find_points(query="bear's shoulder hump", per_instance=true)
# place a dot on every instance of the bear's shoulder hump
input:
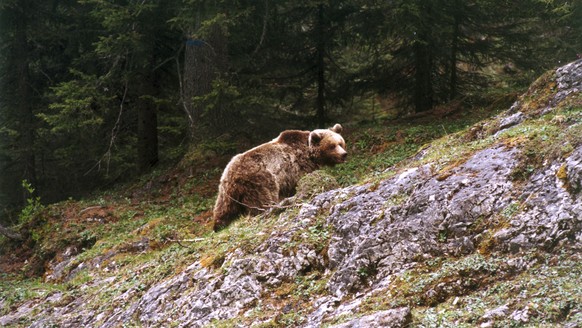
(291, 137)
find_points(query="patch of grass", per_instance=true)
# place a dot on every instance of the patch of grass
(315, 236)
(549, 292)
(445, 292)
(539, 93)
(374, 150)
(17, 291)
(315, 183)
(541, 140)
(295, 298)
(435, 281)
(545, 139)
(308, 286)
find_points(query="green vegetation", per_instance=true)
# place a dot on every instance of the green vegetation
(548, 293)
(33, 204)
(378, 151)
(459, 292)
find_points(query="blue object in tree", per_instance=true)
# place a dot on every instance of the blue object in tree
(194, 43)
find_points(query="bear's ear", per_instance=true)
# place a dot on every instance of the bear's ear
(337, 128)
(315, 137)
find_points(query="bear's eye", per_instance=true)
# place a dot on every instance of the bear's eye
(331, 147)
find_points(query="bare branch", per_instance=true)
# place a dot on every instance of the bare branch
(182, 98)
(114, 132)
(264, 33)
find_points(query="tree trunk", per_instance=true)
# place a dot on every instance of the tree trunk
(423, 91)
(320, 115)
(453, 61)
(24, 102)
(147, 134)
(147, 127)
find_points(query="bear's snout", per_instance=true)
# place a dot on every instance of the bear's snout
(340, 156)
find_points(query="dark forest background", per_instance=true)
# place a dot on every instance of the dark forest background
(95, 92)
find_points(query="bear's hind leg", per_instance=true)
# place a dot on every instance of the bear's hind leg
(260, 195)
(225, 211)
(251, 195)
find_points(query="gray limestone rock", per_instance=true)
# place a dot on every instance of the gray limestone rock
(569, 80)
(393, 318)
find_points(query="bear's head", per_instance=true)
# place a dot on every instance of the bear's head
(327, 145)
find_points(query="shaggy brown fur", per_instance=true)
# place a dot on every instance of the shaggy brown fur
(264, 175)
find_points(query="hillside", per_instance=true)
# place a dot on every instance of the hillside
(437, 223)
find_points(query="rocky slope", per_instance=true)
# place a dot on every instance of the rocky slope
(482, 228)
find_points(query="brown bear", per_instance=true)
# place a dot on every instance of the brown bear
(261, 177)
